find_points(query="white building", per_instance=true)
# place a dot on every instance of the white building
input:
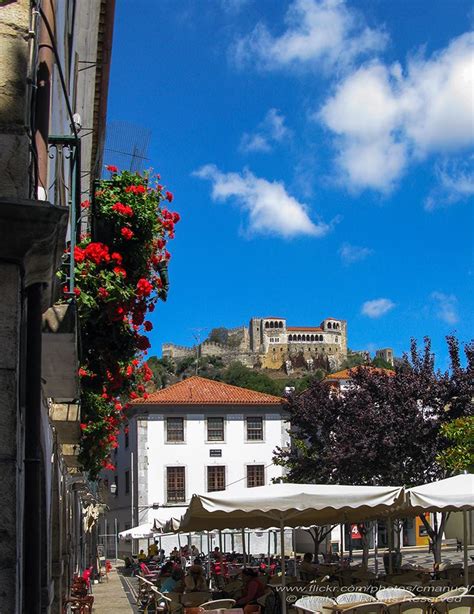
(195, 436)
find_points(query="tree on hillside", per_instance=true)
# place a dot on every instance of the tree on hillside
(381, 363)
(162, 370)
(239, 375)
(385, 430)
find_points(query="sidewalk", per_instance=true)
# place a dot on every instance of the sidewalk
(111, 596)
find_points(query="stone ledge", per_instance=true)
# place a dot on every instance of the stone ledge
(33, 235)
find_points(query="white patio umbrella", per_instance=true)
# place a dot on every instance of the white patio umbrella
(289, 505)
(454, 494)
(143, 531)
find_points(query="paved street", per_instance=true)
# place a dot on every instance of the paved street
(112, 596)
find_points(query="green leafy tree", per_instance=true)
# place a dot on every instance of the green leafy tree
(459, 455)
(162, 370)
(380, 363)
(239, 375)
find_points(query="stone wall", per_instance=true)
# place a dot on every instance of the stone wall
(14, 44)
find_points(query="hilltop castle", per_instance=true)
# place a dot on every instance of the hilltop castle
(269, 343)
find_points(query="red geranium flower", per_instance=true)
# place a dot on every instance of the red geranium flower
(82, 372)
(144, 287)
(103, 293)
(169, 196)
(79, 254)
(77, 291)
(148, 326)
(111, 168)
(123, 209)
(117, 257)
(118, 270)
(126, 233)
(86, 204)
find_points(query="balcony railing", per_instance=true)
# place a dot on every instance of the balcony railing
(65, 190)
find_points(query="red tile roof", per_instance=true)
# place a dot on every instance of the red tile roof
(201, 391)
(347, 373)
(308, 328)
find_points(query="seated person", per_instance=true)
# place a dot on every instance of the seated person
(217, 555)
(174, 554)
(165, 572)
(253, 588)
(307, 570)
(195, 581)
(173, 583)
(153, 549)
(142, 556)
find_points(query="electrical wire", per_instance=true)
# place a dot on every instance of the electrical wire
(60, 71)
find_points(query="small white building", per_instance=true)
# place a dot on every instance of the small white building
(195, 436)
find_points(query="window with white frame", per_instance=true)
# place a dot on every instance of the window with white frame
(254, 428)
(215, 478)
(255, 475)
(174, 430)
(215, 429)
(175, 484)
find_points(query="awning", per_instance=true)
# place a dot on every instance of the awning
(290, 505)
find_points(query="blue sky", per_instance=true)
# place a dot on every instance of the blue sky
(321, 157)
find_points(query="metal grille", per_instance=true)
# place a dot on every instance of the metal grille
(255, 475)
(126, 146)
(215, 429)
(215, 478)
(176, 485)
(254, 429)
(174, 429)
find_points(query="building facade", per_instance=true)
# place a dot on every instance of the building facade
(54, 62)
(195, 436)
(269, 343)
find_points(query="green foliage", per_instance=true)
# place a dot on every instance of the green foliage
(162, 370)
(459, 455)
(352, 360)
(381, 363)
(239, 375)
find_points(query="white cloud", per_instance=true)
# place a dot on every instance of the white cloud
(271, 130)
(318, 32)
(455, 183)
(352, 253)
(377, 308)
(384, 119)
(446, 307)
(270, 208)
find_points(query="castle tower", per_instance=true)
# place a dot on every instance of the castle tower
(256, 335)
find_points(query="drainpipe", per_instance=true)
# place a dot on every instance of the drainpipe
(32, 463)
(43, 96)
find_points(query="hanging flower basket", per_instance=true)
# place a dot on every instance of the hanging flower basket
(121, 272)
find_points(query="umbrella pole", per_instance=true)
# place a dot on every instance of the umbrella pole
(208, 555)
(341, 545)
(269, 548)
(243, 548)
(465, 540)
(376, 547)
(390, 540)
(294, 552)
(283, 570)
